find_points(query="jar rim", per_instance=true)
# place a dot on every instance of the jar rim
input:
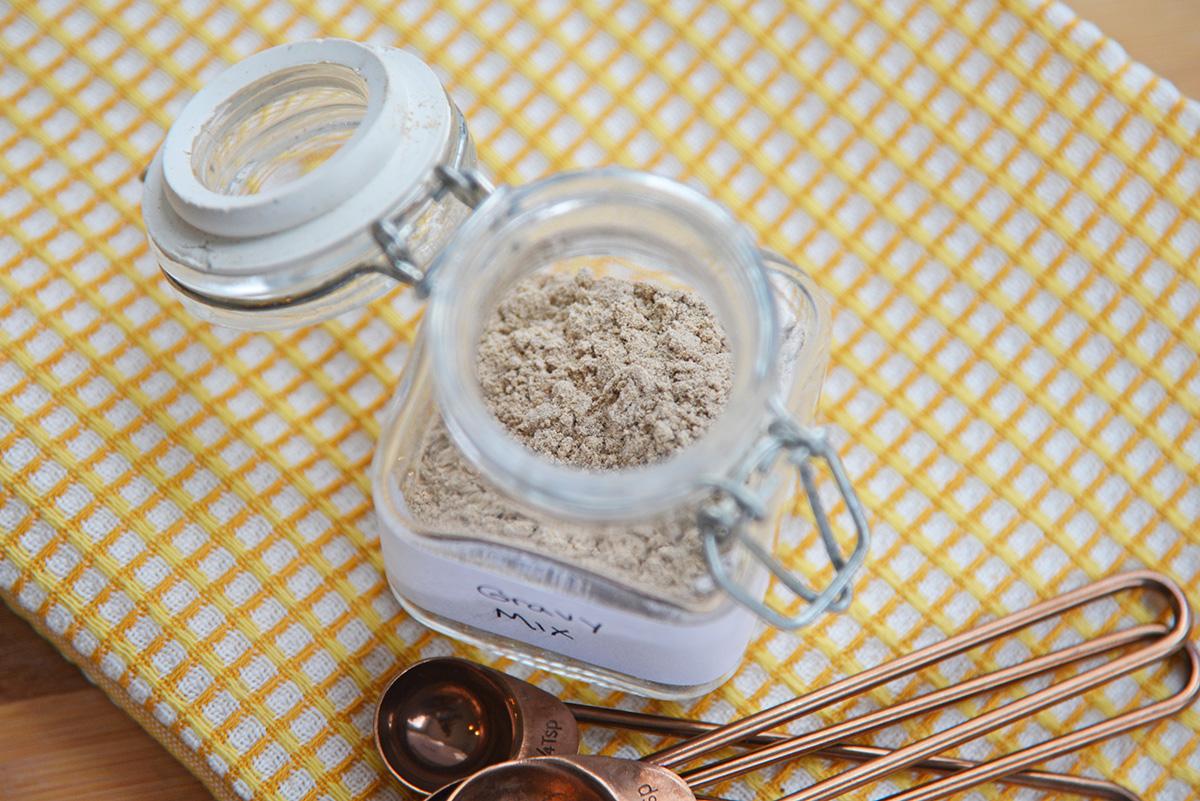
(575, 492)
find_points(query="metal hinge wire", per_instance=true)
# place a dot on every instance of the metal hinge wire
(724, 522)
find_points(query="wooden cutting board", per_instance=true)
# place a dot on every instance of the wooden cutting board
(61, 738)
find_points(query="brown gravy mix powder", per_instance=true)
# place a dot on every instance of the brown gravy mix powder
(596, 372)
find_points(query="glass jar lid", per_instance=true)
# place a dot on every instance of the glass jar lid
(269, 188)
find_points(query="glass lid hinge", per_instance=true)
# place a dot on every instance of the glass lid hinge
(469, 186)
(391, 239)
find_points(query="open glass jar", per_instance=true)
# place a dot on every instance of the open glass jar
(313, 176)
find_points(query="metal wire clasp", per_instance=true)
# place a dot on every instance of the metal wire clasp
(735, 504)
(469, 186)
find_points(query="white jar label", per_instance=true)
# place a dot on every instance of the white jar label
(583, 630)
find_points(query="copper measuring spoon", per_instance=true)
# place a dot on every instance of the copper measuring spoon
(610, 779)
(443, 719)
(597, 778)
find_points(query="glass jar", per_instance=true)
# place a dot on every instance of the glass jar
(647, 578)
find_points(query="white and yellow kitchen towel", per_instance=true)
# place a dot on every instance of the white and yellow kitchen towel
(1003, 209)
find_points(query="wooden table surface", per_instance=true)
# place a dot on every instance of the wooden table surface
(61, 738)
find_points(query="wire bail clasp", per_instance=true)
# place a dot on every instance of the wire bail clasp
(468, 184)
(735, 504)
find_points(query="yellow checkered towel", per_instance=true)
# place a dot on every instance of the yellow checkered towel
(1004, 210)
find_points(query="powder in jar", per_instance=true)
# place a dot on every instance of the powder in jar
(601, 372)
(596, 372)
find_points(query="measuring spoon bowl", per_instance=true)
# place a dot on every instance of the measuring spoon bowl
(443, 719)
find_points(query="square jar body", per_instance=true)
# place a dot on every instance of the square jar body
(627, 604)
